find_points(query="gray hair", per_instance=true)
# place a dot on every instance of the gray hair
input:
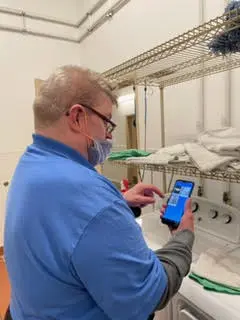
(67, 86)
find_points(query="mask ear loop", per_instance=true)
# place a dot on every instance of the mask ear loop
(89, 139)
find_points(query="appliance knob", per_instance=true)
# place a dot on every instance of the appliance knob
(213, 214)
(226, 218)
(195, 207)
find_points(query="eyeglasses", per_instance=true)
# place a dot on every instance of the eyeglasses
(109, 124)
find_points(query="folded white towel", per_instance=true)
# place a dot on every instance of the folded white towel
(212, 150)
(235, 165)
(152, 159)
(174, 150)
(204, 159)
(219, 266)
(164, 156)
(224, 141)
(184, 158)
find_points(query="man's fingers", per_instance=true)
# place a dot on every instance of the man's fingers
(188, 205)
(151, 187)
(148, 193)
(146, 200)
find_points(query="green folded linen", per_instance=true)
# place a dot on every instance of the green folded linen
(214, 286)
(125, 154)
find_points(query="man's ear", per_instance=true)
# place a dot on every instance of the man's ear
(75, 118)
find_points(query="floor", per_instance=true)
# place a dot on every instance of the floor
(4, 288)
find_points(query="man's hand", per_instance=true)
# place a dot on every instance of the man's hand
(142, 195)
(187, 221)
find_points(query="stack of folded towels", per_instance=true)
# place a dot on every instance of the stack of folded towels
(210, 150)
(218, 271)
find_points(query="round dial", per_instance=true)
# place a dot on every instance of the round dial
(226, 218)
(195, 207)
(213, 214)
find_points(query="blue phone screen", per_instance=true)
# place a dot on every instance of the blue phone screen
(176, 203)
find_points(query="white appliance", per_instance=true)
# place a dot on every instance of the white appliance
(216, 226)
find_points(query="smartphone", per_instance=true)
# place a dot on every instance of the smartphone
(174, 211)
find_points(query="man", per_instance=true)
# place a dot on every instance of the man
(73, 249)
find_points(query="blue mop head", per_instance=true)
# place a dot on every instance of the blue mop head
(228, 41)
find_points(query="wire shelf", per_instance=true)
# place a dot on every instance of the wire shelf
(185, 57)
(228, 175)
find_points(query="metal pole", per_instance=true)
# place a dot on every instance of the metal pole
(105, 17)
(19, 13)
(152, 182)
(136, 97)
(163, 140)
(228, 122)
(228, 105)
(15, 12)
(94, 9)
(37, 34)
(201, 122)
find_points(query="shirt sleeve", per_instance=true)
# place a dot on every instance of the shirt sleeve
(112, 260)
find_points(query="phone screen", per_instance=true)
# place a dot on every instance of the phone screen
(175, 207)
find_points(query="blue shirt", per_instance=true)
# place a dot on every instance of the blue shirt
(73, 249)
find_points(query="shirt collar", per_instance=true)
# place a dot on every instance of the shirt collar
(61, 149)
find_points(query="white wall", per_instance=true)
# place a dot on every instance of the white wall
(119, 143)
(140, 26)
(22, 59)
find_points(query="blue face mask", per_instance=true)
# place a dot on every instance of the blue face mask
(99, 151)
